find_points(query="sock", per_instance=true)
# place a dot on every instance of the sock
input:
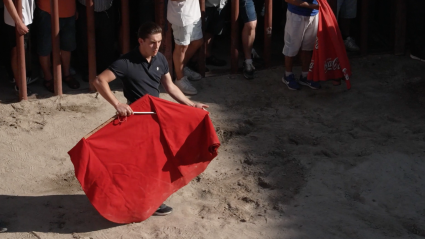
(304, 74)
(287, 73)
(248, 61)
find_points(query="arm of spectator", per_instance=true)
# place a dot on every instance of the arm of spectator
(177, 94)
(102, 86)
(20, 25)
(302, 3)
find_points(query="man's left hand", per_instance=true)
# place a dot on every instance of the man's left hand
(201, 106)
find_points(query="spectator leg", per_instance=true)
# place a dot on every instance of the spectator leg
(248, 37)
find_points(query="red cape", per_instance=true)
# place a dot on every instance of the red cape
(330, 60)
(128, 169)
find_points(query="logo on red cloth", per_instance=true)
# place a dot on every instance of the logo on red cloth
(332, 65)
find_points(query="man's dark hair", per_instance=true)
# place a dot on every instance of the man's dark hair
(148, 28)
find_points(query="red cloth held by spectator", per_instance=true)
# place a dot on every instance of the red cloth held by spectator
(330, 60)
(128, 168)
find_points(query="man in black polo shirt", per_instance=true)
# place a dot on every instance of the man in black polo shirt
(142, 70)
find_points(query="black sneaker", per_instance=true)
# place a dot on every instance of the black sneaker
(29, 92)
(163, 210)
(248, 71)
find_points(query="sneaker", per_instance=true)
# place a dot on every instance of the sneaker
(30, 80)
(185, 86)
(191, 75)
(312, 84)
(163, 210)
(29, 92)
(291, 82)
(417, 58)
(3, 229)
(350, 44)
(248, 71)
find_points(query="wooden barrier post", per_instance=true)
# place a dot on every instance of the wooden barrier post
(125, 26)
(21, 78)
(91, 43)
(203, 48)
(56, 62)
(167, 40)
(234, 47)
(268, 28)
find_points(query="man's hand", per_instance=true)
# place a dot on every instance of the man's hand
(123, 109)
(200, 106)
(315, 6)
(22, 29)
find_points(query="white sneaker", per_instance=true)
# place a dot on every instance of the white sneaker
(191, 75)
(350, 44)
(185, 86)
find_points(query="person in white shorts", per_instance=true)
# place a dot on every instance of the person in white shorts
(302, 22)
(347, 10)
(185, 17)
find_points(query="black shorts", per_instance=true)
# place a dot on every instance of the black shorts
(11, 36)
(215, 19)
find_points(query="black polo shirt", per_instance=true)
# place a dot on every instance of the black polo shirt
(138, 76)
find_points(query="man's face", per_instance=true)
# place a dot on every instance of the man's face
(151, 44)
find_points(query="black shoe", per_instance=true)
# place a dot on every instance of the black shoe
(29, 92)
(248, 71)
(214, 61)
(163, 210)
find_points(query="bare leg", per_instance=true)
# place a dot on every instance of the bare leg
(248, 37)
(66, 62)
(178, 58)
(192, 49)
(288, 63)
(45, 67)
(305, 60)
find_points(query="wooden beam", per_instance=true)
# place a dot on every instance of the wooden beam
(125, 26)
(400, 27)
(268, 28)
(167, 39)
(203, 48)
(21, 78)
(91, 43)
(56, 62)
(234, 46)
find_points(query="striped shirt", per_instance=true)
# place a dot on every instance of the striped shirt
(99, 5)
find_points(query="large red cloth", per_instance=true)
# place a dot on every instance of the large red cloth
(330, 60)
(128, 169)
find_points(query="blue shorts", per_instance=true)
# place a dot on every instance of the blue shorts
(247, 11)
(44, 33)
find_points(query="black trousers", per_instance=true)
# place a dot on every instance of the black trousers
(106, 38)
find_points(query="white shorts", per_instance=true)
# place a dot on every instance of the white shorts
(347, 9)
(183, 36)
(300, 32)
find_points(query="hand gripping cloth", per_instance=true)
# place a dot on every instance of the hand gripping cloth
(129, 168)
(329, 61)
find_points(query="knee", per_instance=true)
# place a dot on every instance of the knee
(250, 26)
(181, 49)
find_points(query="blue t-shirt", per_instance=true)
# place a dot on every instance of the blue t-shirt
(303, 11)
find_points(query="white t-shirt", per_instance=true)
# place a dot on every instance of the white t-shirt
(183, 13)
(28, 7)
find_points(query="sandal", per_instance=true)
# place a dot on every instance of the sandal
(49, 85)
(71, 82)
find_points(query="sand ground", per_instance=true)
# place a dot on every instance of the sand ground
(325, 164)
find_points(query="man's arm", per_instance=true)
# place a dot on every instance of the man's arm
(20, 25)
(177, 94)
(302, 3)
(102, 86)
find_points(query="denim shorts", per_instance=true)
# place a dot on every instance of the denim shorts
(247, 11)
(183, 36)
(44, 33)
